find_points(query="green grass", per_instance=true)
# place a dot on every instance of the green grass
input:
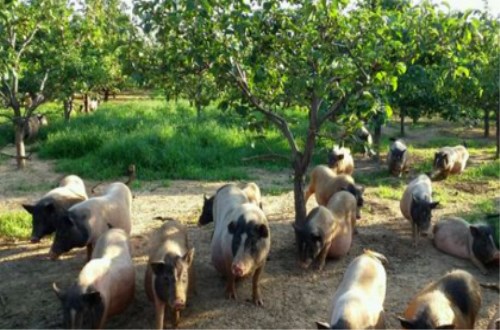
(16, 224)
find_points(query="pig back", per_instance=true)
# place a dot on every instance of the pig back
(253, 193)
(332, 186)
(111, 271)
(421, 188)
(451, 235)
(460, 161)
(73, 186)
(343, 206)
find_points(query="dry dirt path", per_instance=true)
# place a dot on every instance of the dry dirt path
(293, 298)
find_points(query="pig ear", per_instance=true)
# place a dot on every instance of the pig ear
(68, 221)
(360, 188)
(322, 325)
(340, 157)
(434, 205)
(188, 257)
(446, 326)
(406, 324)
(474, 231)
(205, 197)
(263, 231)
(49, 207)
(57, 291)
(231, 227)
(29, 208)
(158, 267)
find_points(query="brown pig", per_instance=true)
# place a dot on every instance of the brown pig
(169, 275)
(105, 286)
(315, 237)
(455, 236)
(53, 204)
(340, 160)
(358, 302)
(452, 302)
(84, 222)
(324, 183)
(241, 240)
(417, 205)
(343, 207)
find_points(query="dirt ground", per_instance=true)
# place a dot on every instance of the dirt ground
(293, 298)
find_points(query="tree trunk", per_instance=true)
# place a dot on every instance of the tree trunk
(68, 108)
(497, 117)
(377, 133)
(86, 103)
(106, 95)
(486, 123)
(298, 190)
(19, 139)
(402, 123)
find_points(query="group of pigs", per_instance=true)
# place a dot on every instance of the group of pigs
(241, 243)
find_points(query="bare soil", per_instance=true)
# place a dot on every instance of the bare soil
(293, 298)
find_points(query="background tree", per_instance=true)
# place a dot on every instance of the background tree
(29, 46)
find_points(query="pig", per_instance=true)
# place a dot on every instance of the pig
(452, 302)
(93, 105)
(417, 205)
(252, 191)
(324, 183)
(314, 237)
(397, 158)
(32, 126)
(343, 207)
(53, 204)
(455, 236)
(241, 240)
(340, 160)
(358, 302)
(84, 222)
(449, 160)
(169, 274)
(364, 136)
(105, 286)
(495, 322)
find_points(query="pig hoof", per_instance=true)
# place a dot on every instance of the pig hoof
(231, 295)
(258, 302)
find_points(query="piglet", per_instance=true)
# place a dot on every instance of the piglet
(452, 302)
(455, 236)
(169, 274)
(105, 286)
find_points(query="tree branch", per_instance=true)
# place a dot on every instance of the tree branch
(39, 98)
(276, 119)
(27, 41)
(356, 90)
(354, 59)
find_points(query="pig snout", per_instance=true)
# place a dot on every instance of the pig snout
(238, 270)
(179, 304)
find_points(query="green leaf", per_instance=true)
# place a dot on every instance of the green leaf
(394, 83)
(462, 71)
(401, 68)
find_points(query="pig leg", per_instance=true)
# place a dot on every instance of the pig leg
(309, 192)
(176, 315)
(320, 261)
(479, 265)
(160, 313)
(231, 287)
(381, 321)
(257, 299)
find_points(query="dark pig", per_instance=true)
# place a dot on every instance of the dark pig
(417, 205)
(358, 302)
(84, 222)
(169, 274)
(455, 236)
(105, 286)
(241, 240)
(314, 237)
(53, 204)
(397, 158)
(452, 302)
(33, 124)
